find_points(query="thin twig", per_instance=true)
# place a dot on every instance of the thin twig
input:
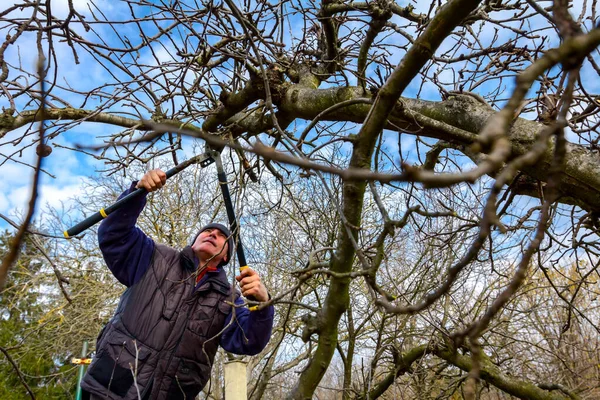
(18, 371)
(15, 246)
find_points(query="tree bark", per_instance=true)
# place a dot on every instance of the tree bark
(456, 120)
(489, 373)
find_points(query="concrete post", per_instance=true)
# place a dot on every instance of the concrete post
(235, 380)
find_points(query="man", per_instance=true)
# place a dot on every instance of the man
(176, 311)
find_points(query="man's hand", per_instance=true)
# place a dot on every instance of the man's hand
(251, 285)
(152, 180)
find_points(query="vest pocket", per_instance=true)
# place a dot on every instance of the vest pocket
(188, 381)
(202, 316)
(205, 308)
(199, 328)
(225, 308)
(115, 362)
(111, 375)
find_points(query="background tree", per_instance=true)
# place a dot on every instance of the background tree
(26, 327)
(415, 182)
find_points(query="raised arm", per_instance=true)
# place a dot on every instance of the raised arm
(126, 249)
(250, 331)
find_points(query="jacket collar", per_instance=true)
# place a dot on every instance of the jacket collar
(188, 258)
(189, 262)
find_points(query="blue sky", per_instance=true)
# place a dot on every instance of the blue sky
(67, 170)
(70, 169)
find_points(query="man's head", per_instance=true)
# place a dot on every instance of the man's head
(215, 243)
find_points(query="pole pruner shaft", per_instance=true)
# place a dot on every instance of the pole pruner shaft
(204, 159)
(233, 225)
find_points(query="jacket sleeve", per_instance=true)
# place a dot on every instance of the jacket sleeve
(250, 332)
(126, 249)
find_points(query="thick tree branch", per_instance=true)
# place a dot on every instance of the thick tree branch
(353, 192)
(456, 120)
(402, 365)
(490, 373)
(406, 12)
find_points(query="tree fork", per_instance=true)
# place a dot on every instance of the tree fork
(489, 373)
(353, 192)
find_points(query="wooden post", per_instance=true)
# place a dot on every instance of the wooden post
(235, 380)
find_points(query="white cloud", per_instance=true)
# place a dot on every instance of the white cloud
(18, 198)
(3, 202)
(13, 175)
(15, 186)
(55, 196)
(60, 8)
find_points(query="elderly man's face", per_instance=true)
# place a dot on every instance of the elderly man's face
(211, 244)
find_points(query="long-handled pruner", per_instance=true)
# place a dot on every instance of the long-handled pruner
(233, 225)
(204, 159)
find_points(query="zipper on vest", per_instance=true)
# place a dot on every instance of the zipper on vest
(148, 388)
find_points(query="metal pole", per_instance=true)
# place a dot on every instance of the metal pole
(81, 370)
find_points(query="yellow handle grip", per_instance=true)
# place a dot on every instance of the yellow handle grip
(250, 308)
